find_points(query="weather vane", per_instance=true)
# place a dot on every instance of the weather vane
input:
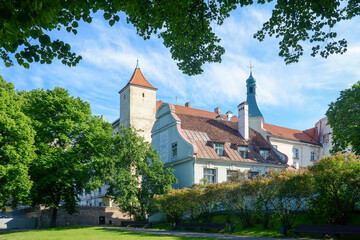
(251, 67)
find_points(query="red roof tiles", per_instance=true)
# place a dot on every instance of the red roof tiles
(202, 132)
(308, 136)
(288, 133)
(138, 79)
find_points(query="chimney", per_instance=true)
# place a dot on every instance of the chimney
(187, 104)
(243, 110)
(217, 110)
(229, 115)
(103, 118)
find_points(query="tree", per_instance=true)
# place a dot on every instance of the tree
(69, 142)
(337, 187)
(290, 190)
(185, 27)
(134, 173)
(344, 119)
(16, 148)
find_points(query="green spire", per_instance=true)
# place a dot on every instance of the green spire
(137, 64)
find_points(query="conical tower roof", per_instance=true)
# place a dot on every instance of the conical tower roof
(138, 79)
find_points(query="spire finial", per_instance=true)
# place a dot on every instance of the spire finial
(137, 64)
(251, 67)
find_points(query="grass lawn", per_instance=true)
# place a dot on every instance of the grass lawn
(83, 233)
(274, 227)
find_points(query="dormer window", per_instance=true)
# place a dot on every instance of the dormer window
(219, 148)
(265, 154)
(242, 151)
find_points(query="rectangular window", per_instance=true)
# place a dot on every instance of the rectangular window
(312, 156)
(265, 154)
(242, 151)
(252, 174)
(219, 148)
(230, 174)
(210, 174)
(174, 149)
(296, 153)
(99, 189)
(99, 204)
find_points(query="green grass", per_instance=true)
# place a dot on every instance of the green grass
(274, 227)
(83, 233)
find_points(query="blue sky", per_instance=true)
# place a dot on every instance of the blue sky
(294, 96)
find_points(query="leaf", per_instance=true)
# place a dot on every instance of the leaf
(107, 16)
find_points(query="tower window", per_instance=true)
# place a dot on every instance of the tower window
(124, 96)
(143, 94)
(251, 89)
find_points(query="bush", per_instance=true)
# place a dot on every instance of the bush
(337, 188)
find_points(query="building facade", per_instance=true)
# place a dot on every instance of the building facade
(208, 145)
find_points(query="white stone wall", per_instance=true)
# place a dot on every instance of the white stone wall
(286, 146)
(324, 136)
(184, 174)
(142, 110)
(223, 166)
(125, 107)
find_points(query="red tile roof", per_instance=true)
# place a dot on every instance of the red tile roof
(288, 133)
(195, 112)
(203, 132)
(138, 79)
(308, 136)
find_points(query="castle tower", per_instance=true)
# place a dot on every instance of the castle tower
(251, 97)
(256, 119)
(138, 104)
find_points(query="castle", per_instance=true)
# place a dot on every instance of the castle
(200, 144)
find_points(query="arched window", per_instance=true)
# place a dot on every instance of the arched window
(251, 89)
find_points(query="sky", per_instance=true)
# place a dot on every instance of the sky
(294, 96)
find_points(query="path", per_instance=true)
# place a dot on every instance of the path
(195, 234)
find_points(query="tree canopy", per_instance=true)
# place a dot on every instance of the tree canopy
(185, 27)
(344, 119)
(68, 142)
(133, 173)
(16, 147)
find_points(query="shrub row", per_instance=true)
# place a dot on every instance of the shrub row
(328, 192)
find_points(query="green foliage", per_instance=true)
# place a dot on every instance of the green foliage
(174, 204)
(205, 201)
(344, 119)
(290, 191)
(69, 142)
(185, 27)
(134, 173)
(308, 21)
(16, 148)
(337, 188)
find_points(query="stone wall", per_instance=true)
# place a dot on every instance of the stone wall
(18, 223)
(85, 216)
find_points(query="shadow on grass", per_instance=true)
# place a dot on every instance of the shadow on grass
(19, 231)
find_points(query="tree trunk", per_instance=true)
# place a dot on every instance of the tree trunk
(53, 217)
